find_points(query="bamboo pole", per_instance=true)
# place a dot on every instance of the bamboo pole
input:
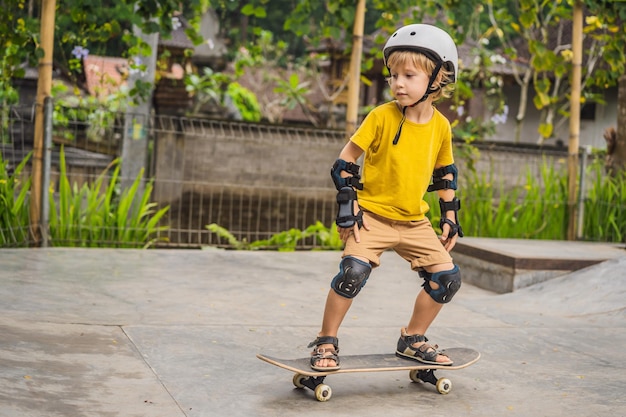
(618, 164)
(574, 121)
(44, 86)
(354, 80)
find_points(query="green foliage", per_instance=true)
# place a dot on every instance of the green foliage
(323, 21)
(320, 20)
(91, 216)
(210, 86)
(105, 28)
(86, 27)
(274, 77)
(605, 25)
(605, 207)
(245, 101)
(232, 241)
(284, 241)
(542, 27)
(242, 21)
(293, 90)
(14, 205)
(251, 10)
(19, 46)
(95, 113)
(18, 43)
(535, 209)
(216, 87)
(325, 238)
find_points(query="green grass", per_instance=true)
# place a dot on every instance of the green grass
(605, 208)
(536, 208)
(94, 216)
(324, 238)
(100, 215)
(14, 205)
(533, 209)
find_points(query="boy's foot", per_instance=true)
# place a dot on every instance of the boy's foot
(414, 347)
(325, 355)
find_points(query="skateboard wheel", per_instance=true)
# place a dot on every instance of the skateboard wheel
(298, 380)
(323, 392)
(444, 385)
(414, 375)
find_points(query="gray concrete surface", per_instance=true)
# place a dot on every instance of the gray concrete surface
(507, 265)
(88, 332)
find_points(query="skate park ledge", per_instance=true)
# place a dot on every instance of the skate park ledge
(506, 265)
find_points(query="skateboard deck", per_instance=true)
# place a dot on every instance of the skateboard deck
(418, 372)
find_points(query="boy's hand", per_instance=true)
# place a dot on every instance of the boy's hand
(448, 243)
(344, 233)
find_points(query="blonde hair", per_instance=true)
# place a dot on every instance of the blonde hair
(422, 62)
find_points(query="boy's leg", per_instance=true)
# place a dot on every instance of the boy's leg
(334, 313)
(372, 243)
(425, 311)
(421, 246)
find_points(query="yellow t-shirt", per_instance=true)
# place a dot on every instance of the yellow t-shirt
(395, 177)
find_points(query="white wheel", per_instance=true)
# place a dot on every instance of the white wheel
(323, 392)
(297, 380)
(414, 375)
(444, 385)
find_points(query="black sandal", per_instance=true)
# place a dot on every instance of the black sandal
(425, 353)
(325, 353)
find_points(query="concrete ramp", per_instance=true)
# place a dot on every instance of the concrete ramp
(507, 265)
(596, 295)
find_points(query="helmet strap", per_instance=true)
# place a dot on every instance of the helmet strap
(399, 132)
(430, 89)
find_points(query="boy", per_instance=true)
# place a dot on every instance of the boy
(406, 143)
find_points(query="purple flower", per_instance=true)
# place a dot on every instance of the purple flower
(501, 118)
(79, 52)
(135, 66)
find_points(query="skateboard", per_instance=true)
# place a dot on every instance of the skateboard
(418, 372)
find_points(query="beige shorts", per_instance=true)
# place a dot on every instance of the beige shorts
(415, 241)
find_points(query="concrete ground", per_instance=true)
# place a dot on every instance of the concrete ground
(98, 332)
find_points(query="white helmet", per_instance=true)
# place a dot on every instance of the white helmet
(433, 42)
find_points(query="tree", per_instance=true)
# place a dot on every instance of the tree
(616, 138)
(83, 26)
(18, 34)
(509, 27)
(153, 17)
(542, 30)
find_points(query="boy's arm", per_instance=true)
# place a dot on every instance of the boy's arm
(350, 153)
(449, 205)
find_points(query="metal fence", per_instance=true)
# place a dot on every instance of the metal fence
(254, 180)
(249, 208)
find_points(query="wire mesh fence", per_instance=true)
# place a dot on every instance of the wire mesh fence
(204, 171)
(253, 180)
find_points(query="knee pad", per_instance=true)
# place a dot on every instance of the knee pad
(353, 274)
(449, 283)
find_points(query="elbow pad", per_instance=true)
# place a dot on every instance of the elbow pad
(439, 183)
(349, 167)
